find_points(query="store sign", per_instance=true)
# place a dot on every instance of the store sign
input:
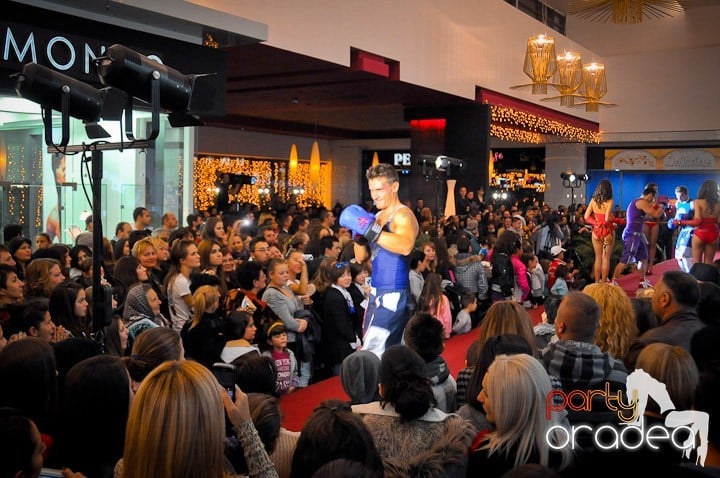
(71, 55)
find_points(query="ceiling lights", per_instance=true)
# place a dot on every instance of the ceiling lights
(539, 63)
(623, 11)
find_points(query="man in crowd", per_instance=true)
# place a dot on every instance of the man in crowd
(142, 218)
(674, 302)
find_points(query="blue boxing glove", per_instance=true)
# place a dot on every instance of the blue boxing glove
(359, 221)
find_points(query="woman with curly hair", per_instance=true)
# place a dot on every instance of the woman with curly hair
(599, 214)
(617, 328)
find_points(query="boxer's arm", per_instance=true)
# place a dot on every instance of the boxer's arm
(404, 229)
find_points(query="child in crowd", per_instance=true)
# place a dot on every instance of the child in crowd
(425, 335)
(536, 279)
(560, 288)
(545, 330)
(285, 362)
(463, 323)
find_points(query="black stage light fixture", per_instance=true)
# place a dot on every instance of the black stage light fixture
(56, 91)
(164, 88)
(443, 163)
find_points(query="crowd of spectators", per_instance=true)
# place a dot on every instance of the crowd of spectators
(277, 298)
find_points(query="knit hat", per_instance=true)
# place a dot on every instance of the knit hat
(359, 374)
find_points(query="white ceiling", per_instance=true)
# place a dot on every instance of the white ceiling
(696, 27)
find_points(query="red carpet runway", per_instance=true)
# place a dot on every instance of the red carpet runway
(298, 406)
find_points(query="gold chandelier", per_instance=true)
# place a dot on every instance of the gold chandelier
(568, 78)
(539, 63)
(623, 11)
(594, 87)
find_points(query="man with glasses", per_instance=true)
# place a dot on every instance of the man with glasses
(259, 251)
(391, 235)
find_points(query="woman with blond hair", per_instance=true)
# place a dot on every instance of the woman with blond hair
(176, 427)
(507, 317)
(203, 337)
(514, 392)
(617, 328)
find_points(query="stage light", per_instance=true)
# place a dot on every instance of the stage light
(159, 85)
(443, 163)
(54, 91)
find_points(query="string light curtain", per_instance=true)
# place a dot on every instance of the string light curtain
(539, 64)
(269, 174)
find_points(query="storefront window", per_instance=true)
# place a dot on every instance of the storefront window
(43, 190)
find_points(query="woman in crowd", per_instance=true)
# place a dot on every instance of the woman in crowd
(11, 287)
(339, 338)
(184, 258)
(409, 432)
(298, 274)
(121, 248)
(129, 271)
(142, 310)
(162, 253)
(69, 308)
(507, 317)
(333, 432)
(433, 301)
(145, 252)
(705, 223)
(227, 270)
(618, 327)
(28, 375)
(176, 427)
(211, 260)
(507, 344)
(93, 414)
(203, 336)
(20, 249)
(252, 280)
(360, 293)
(514, 394)
(240, 333)
(151, 348)
(116, 337)
(502, 280)
(64, 252)
(286, 305)
(599, 214)
(215, 231)
(23, 448)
